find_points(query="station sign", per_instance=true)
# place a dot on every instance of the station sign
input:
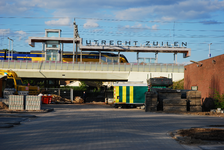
(134, 43)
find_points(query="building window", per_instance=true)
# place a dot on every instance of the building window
(52, 34)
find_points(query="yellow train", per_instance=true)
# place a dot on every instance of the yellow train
(66, 57)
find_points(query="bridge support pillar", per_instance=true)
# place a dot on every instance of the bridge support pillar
(118, 60)
(76, 52)
(43, 51)
(156, 55)
(62, 49)
(175, 58)
(137, 57)
(81, 56)
(99, 56)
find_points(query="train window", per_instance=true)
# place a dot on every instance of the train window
(91, 57)
(65, 56)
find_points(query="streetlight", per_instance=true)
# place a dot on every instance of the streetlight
(9, 48)
(209, 54)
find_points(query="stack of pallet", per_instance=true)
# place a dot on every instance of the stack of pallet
(16, 102)
(179, 105)
(33, 102)
(150, 101)
(194, 98)
(170, 100)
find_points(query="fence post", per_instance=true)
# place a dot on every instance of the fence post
(20, 63)
(125, 66)
(73, 66)
(90, 66)
(32, 65)
(172, 68)
(55, 65)
(84, 66)
(71, 94)
(59, 92)
(26, 64)
(2, 64)
(44, 64)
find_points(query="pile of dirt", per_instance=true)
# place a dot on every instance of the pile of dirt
(78, 100)
(59, 100)
(3, 105)
(200, 136)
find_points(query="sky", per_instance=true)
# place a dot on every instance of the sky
(197, 22)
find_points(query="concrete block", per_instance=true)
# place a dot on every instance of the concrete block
(193, 94)
(195, 101)
(174, 102)
(175, 108)
(169, 95)
(195, 108)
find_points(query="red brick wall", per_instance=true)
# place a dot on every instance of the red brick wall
(207, 77)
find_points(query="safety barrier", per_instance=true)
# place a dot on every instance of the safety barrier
(92, 66)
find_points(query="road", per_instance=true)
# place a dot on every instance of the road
(95, 127)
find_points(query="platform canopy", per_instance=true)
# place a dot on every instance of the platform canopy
(33, 40)
(184, 50)
(155, 49)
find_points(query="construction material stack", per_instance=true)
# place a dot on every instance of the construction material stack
(159, 83)
(194, 98)
(16, 102)
(23, 102)
(170, 100)
(150, 101)
(33, 103)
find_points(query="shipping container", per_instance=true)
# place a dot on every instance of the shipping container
(129, 94)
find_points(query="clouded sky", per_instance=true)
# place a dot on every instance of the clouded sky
(197, 22)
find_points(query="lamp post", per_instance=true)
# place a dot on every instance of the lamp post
(9, 49)
(209, 54)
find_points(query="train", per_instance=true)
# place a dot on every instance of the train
(66, 57)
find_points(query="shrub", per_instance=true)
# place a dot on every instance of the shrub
(218, 99)
(178, 85)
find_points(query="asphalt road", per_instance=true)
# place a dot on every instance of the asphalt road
(95, 127)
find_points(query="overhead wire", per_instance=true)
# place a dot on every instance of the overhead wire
(86, 32)
(108, 19)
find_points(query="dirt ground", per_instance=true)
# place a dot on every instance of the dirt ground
(3, 106)
(212, 135)
(205, 136)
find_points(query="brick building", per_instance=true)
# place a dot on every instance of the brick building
(207, 75)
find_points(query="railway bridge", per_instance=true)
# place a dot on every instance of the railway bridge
(129, 72)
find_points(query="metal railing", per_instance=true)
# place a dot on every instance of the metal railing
(91, 66)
